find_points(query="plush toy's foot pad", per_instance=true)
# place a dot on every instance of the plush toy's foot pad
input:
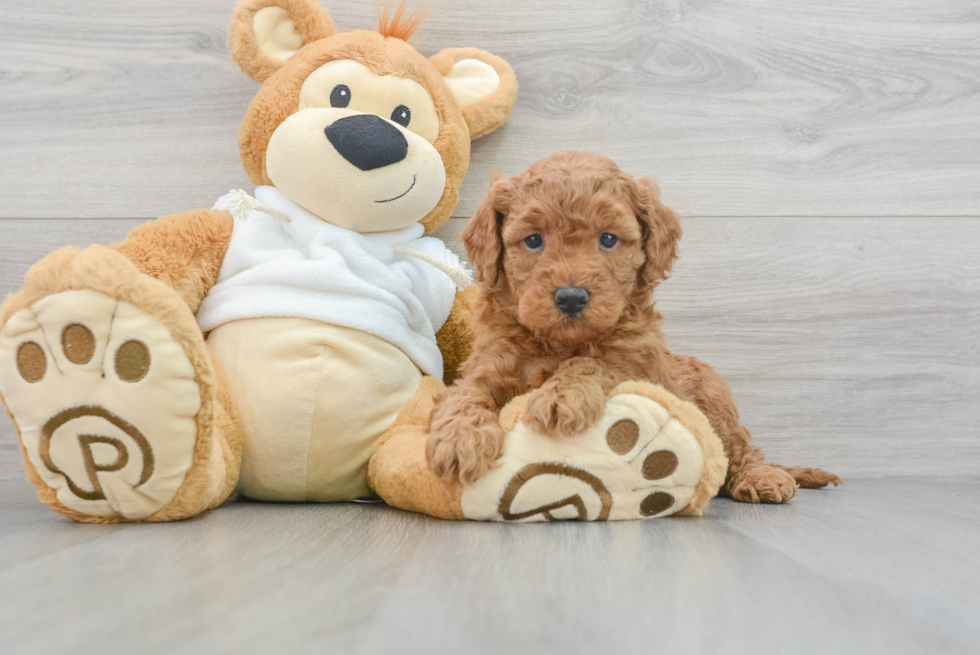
(105, 402)
(640, 461)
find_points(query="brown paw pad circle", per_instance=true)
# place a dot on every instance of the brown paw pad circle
(622, 436)
(78, 343)
(659, 464)
(655, 503)
(132, 361)
(31, 362)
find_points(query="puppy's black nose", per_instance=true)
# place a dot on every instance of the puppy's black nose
(367, 141)
(571, 300)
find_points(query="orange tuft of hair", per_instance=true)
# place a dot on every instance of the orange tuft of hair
(399, 26)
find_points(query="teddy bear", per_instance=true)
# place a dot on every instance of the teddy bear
(289, 344)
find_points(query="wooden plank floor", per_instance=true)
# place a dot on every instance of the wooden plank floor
(826, 158)
(886, 566)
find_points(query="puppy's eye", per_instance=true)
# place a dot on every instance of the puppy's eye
(533, 242)
(402, 115)
(340, 96)
(608, 240)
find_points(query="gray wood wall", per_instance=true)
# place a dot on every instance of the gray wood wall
(825, 156)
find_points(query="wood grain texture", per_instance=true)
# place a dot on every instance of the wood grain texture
(884, 566)
(121, 108)
(850, 344)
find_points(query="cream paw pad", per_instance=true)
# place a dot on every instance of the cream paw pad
(104, 399)
(651, 455)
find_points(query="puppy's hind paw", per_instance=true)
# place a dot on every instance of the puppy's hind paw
(763, 484)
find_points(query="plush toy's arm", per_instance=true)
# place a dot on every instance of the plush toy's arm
(455, 338)
(184, 251)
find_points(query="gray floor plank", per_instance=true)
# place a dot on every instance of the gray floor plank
(849, 343)
(254, 577)
(693, 587)
(118, 108)
(855, 543)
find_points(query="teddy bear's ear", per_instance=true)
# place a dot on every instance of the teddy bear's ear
(265, 33)
(483, 84)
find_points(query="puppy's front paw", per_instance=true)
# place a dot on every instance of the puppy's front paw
(564, 410)
(463, 449)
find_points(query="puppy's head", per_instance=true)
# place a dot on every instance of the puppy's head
(570, 244)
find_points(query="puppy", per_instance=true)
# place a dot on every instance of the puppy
(568, 255)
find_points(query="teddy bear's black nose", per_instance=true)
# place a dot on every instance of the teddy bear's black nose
(571, 300)
(367, 141)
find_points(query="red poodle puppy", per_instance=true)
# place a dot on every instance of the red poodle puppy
(569, 254)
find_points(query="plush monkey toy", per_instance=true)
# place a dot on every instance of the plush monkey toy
(289, 345)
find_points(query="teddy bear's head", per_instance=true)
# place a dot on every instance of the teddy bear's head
(357, 127)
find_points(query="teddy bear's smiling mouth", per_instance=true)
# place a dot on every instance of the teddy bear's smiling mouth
(402, 195)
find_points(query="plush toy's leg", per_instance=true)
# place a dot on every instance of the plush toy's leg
(398, 471)
(650, 455)
(121, 411)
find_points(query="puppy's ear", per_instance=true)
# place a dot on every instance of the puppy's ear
(481, 236)
(265, 33)
(661, 231)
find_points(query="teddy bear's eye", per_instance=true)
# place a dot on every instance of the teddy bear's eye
(402, 115)
(340, 96)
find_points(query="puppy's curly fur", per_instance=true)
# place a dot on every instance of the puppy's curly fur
(573, 360)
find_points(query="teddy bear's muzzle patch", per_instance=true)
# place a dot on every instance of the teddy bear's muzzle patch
(355, 170)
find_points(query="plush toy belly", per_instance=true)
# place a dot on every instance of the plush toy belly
(314, 399)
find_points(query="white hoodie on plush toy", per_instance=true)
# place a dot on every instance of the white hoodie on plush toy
(308, 268)
(340, 319)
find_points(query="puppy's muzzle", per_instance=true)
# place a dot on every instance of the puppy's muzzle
(571, 300)
(367, 141)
